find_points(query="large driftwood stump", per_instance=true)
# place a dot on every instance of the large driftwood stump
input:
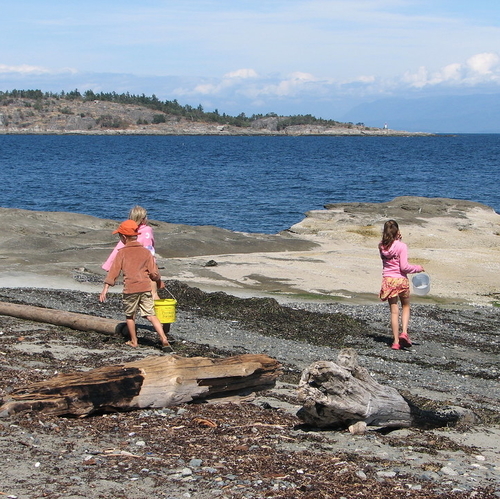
(345, 395)
(153, 382)
(340, 395)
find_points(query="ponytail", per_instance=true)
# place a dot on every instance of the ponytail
(389, 234)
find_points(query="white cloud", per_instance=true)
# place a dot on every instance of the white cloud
(27, 70)
(23, 69)
(298, 76)
(483, 64)
(365, 79)
(291, 86)
(204, 89)
(478, 69)
(299, 88)
(231, 79)
(248, 83)
(242, 73)
(452, 72)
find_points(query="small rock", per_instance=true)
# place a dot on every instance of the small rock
(358, 428)
(210, 470)
(361, 474)
(429, 476)
(386, 474)
(448, 471)
(414, 486)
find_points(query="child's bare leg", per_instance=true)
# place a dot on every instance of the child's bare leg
(159, 329)
(393, 304)
(133, 334)
(405, 314)
(154, 290)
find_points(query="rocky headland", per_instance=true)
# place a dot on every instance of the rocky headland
(53, 115)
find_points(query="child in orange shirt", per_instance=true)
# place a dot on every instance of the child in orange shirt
(139, 268)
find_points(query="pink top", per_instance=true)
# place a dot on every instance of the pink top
(395, 261)
(145, 237)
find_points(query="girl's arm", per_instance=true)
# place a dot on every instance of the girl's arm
(404, 266)
(111, 258)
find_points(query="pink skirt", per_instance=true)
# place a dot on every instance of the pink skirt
(393, 287)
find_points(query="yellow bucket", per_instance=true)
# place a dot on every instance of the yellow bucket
(165, 310)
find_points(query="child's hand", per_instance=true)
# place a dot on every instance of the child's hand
(102, 296)
(160, 284)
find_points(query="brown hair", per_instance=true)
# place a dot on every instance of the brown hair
(389, 234)
(137, 214)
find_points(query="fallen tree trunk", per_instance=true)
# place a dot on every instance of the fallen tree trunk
(344, 394)
(153, 382)
(80, 322)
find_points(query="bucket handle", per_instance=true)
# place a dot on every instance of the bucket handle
(166, 289)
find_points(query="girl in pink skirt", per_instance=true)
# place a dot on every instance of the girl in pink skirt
(395, 283)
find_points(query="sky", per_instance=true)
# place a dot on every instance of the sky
(329, 58)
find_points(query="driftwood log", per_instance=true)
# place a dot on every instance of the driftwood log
(344, 395)
(153, 382)
(80, 322)
(340, 395)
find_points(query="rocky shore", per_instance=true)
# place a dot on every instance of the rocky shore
(260, 449)
(93, 117)
(332, 254)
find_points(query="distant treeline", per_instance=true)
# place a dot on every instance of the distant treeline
(168, 107)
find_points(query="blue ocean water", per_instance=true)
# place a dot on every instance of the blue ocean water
(249, 184)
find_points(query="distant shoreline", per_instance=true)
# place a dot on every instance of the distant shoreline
(224, 133)
(35, 113)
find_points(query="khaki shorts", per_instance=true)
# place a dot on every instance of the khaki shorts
(138, 301)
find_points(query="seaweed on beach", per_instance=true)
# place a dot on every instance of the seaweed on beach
(266, 316)
(262, 315)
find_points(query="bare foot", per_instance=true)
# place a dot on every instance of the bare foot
(130, 344)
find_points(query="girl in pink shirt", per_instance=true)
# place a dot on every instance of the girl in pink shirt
(395, 284)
